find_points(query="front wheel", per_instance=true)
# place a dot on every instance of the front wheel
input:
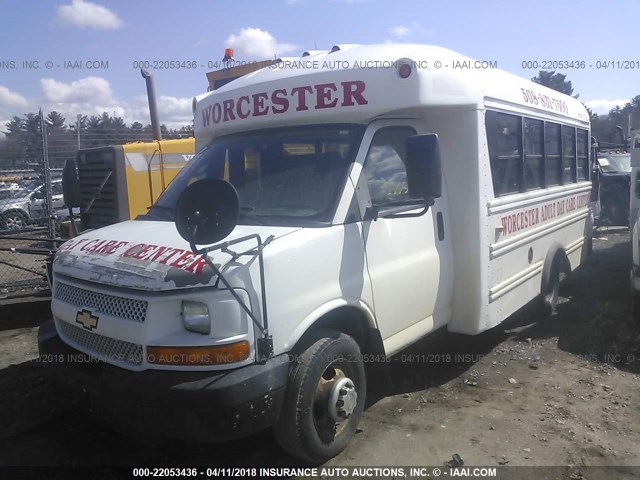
(324, 399)
(13, 220)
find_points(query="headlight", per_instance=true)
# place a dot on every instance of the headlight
(195, 317)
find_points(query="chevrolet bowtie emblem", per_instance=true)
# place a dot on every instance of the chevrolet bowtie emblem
(87, 320)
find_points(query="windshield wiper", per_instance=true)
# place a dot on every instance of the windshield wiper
(245, 212)
(160, 212)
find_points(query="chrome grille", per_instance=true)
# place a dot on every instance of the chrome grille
(104, 348)
(121, 307)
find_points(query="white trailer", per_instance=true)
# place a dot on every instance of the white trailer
(379, 193)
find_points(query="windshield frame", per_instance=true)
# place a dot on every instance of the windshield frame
(164, 208)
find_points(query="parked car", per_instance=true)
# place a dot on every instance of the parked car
(28, 206)
(6, 193)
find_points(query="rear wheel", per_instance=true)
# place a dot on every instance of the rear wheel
(324, 399)
(552, 293)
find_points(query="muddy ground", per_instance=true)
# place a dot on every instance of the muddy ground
(558, 391)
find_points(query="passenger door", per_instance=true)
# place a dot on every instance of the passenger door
(408, 255)
(36, 203)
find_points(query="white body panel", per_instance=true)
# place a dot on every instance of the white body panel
(462, 264)
(634, 212)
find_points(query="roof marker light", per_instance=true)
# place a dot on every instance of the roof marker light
(404, 71)
(335, 48)
(404, 67)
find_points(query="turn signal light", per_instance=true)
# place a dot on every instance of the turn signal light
(198, 356)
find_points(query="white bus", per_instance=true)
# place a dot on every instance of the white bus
(373, 194)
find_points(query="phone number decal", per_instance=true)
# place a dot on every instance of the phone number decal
(544, 101)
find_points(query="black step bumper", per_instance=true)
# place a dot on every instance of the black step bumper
(190, 406)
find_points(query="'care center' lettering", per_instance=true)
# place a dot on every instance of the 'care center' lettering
(174, 257)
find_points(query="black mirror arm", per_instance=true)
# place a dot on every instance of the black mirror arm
(411, 215)
(74, 227)
(373, 212)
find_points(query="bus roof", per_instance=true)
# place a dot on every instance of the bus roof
(357, 83)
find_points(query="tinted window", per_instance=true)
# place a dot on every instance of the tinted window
(384, 167)
(553, 155)
(504, 136)
(568, 154)
(583, 155)
(533, 154)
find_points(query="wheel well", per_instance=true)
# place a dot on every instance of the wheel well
(353, 322)
(347, 320)
(555, 256)
(15, 210)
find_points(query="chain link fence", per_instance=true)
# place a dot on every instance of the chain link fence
(27, 227)
(33, 151)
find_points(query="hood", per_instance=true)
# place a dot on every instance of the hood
(148, 255)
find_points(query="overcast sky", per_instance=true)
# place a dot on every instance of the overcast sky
(37, 39)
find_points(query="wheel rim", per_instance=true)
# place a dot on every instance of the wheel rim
(552, 296)
(14, 222)
(342, 400)
(335, 400)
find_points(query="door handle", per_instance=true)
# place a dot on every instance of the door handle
(440, 222)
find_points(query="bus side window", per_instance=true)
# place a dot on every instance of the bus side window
(583, 155)
(534, 154)
(504, 137)
(568, 154)
(553, 167)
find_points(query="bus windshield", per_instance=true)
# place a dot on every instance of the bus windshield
(287, 176)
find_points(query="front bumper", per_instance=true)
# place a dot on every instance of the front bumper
(189, 406)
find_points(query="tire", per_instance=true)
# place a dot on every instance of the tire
(551, 296)
(313, 426)
(13, 220)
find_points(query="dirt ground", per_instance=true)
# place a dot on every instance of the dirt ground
(560, 391)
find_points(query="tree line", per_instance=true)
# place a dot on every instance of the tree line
(607, 128)
(22, 145)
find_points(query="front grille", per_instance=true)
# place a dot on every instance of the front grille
(104, 348)
(94, 169)
(121, 307)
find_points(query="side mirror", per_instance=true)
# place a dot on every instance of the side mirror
(424, 168)
(207, 211)
(70, 184)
